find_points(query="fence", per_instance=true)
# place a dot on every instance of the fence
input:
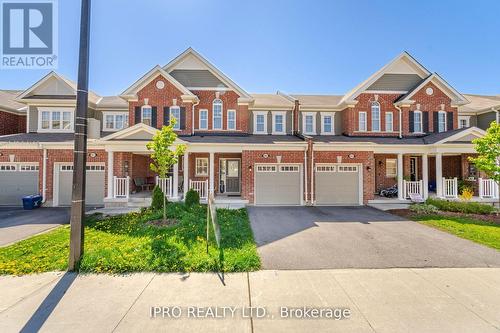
(165, 185)
(488, 188)
(412, 187)
(121, 187)
(450, 188)
(200, 186)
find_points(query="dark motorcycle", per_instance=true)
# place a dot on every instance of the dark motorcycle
(390, 192)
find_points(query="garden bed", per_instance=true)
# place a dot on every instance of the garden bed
(406, 213)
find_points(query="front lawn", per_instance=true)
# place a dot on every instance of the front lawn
(127, 244)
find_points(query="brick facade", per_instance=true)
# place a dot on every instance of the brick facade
(12, 123)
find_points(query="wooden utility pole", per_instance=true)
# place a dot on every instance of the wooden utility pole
(80, 151)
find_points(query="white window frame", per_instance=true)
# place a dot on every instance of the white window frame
(231, 111)
(389, 128)
(114, 114)
(144, 107)
(54, 110)
(177, 126)
(395, 168)
(8, 167)
(420, 123)
(376, 106)
(463, 118)
(289, 168)
(217, 101)
(364, 128)
(304, 125)
(205, 111)
(260, 113)
(323, 116)
(440, 113)
(283, 124)
(203, 160)
(266, 168)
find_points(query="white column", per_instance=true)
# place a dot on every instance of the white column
(110, 174)
(212, 173)
(400, 177)
(425, 176)
(185, 166)
(175, 190)
(439, 175)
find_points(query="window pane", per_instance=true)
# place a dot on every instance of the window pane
(45, 119)
(260, 123)
(217, 114)
(441, 121)
(362, 121)
(231, 120)
(388, 122)
(204, 119)
(375, 117)
(176, 113)
(309, 124)
(109, 122)
(417, 122)
(119, 121)
(56, 120)
(278, 123)
(146, 116)
(327, 124)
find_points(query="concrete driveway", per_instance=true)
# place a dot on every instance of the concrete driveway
(17, 224)
(357, 237)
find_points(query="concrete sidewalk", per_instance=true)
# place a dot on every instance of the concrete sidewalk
(379, 300)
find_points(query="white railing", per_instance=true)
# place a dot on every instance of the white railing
(412, 187)
(450, 188)
(121, 187)
(488, 188)
(165, 185)
(200, 186)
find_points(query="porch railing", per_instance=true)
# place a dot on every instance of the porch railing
(412, 187)
(200, 186)
(121, 187)
(488, 189)
(450, 188)
(165, 185)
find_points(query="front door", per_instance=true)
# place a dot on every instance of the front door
(230, 176)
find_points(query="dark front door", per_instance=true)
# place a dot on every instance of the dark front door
(230, 176)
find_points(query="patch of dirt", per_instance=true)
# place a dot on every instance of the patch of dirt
(160, 223)
(406, 213)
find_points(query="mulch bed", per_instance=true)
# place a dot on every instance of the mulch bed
(406, 213)
(160, 223)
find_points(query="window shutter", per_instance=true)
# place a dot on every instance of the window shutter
(166, 116)
(435, 117)
(449, 119)
(183, 118)
(412, 121)
(153, 117)
(425, 116)
(137, 115)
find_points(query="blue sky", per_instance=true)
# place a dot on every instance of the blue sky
(324, 47)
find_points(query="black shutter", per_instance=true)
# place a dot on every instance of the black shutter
(412, 121)
(435, 117)
(166, 115)
(137, 114)
(183, 118)
(449, 119)
(153, 117)
(425, 115)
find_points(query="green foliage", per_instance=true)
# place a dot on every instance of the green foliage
(157, 199)
(192, 198)
(461, 207)
(423, 209)
(488, 149)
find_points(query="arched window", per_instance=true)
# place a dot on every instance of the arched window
(375, 117)
(217, 114)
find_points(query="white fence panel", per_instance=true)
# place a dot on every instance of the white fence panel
(450, 188)
(488, 189)
(200, 186)
(121, 187)
(412, 187)
(165, 185)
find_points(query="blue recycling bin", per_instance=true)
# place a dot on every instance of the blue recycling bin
(32, 201)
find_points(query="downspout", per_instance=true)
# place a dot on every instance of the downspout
(305, 175)
(312, 173)
(44, 175)
(192, 116)
(400, 121)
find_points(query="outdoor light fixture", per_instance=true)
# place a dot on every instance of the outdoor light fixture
(92, 154)
(369, 168)
(250, 167)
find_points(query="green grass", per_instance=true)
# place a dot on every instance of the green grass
(126, 244)
(482, 232)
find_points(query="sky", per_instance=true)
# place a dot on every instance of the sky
(316, 47)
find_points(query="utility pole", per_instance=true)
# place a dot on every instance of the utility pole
(80, 151)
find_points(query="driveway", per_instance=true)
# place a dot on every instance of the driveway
(17, 224)
(357, 237)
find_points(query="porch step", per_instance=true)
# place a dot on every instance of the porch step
(230, 203)
(139, 202)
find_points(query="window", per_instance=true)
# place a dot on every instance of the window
(68, 167)
(327, 123)
(203, 121)
(266, 168)
(147, 115)
(56, 120)
(347, 168)
(114, 121)
(231, 120)
(389, 127)
(201, 167)
(463, 121)
(309, 125)
(441, 121)
(326, 168)
(391, 168)
(8, 167)
(375, 117)
(289, 168)
(217, 114)
(29, 167)
(279, 119)
(417, 122)
(362, 122)
(175, 112)
(260, 122)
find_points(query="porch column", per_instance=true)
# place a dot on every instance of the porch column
(439, 175)
(175, 190)
(185, 184)
(212, 173)
(400, 177)
(110, 173)
(425, 176)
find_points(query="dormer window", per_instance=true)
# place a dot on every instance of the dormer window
(175, 112)
(309, 123)
(114, 121)
(55, 120)
(327, 123)
(279, 122)
(147, 115)
(375, 117)
(260, 122)
(217, 114)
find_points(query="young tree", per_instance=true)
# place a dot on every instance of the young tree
(488, 149)
(163, 156)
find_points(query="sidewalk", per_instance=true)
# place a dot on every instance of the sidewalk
(379, 300)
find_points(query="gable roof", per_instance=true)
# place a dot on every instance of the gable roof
(197, 78)
(317, 101)
(480, 103)
(129, 131)
(454, 135)
(271, 101)
(112, 102)
(8, 102)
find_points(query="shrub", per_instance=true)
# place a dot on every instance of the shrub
(157, 202)
(461, 207)
(467, 194)
(423, 209)
(192, 198)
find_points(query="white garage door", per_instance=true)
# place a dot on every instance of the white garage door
(338, 184)
(278, 184)
(16, 181)
(94, 189)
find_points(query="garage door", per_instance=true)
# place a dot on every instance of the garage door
(337, 184)
(16, 181)
(278, 184)
(94, 189)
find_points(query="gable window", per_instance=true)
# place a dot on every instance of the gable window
(375, 117)
(389, 121)
(417, 122)
(175, 112)
(391, 168)
(309, 123)
(441, 121)
(231, 120)
(279, 119)
(203, 121)
(147, 115)
(55, 120)
(217, 114)
(327, 123)
(362, 122)
(463, 121)
(114, 121)
(260, 122)
(201, 169)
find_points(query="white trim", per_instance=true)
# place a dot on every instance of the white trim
(387, 113)
(178, 121)
(445, 121)
(221, 114)
(52, 110)
(467, 121)
(365, 128)
(376, 105)
(199, 119)
(142, 115)
(114, 114)
(196, 173)
(227, 120)
(421, 123)
(448, 90)
(323, 116)
(260, 113)
(124, 133)
(304, 117)
(283, 124)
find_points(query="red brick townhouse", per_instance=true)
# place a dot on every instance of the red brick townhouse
(403, 126)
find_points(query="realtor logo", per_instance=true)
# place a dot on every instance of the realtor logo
(29, 34)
